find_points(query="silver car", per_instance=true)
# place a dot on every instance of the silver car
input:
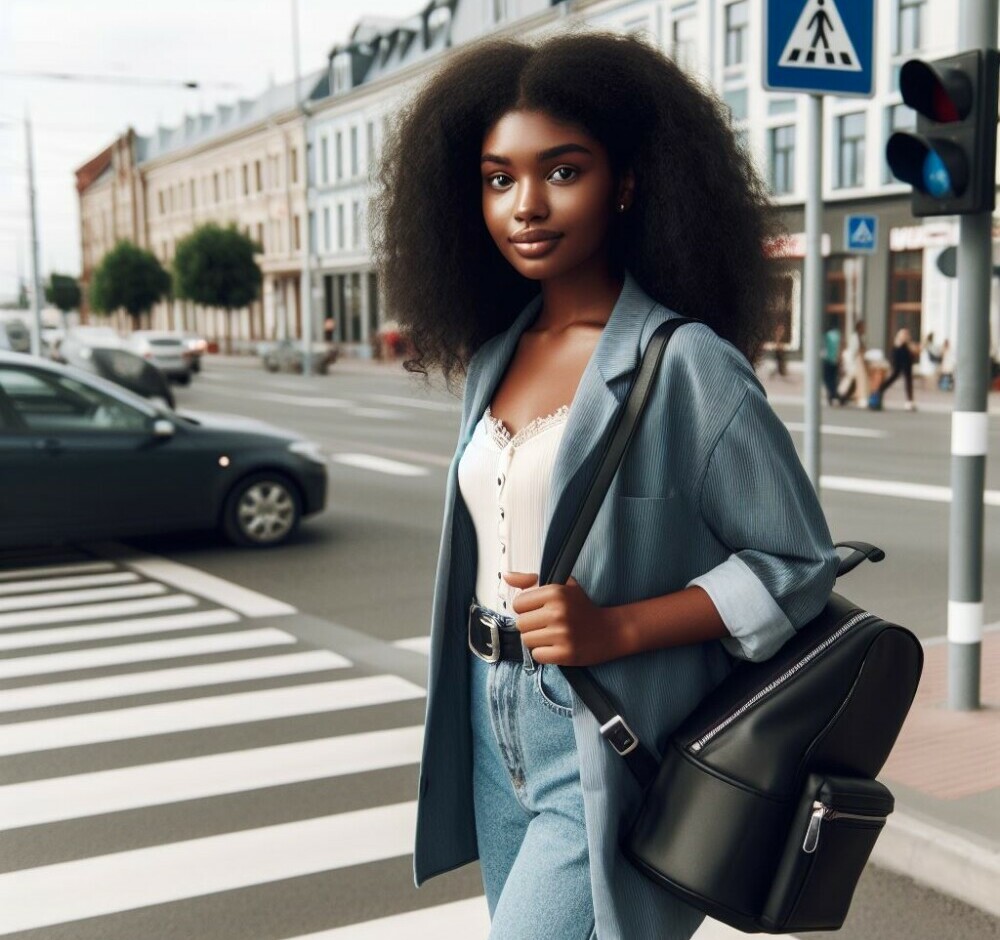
(166, 350)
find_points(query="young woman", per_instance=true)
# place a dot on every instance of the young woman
(542, 209)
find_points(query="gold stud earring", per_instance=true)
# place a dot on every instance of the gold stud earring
(621, 207)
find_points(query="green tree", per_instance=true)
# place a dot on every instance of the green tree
(129, 278)
(63, 292)
(215, 267)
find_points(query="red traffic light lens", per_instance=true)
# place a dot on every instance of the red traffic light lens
(943, 95)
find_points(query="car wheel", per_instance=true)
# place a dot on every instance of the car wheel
(270, 366)
(184, 379)
(262, 510)
(196, 365)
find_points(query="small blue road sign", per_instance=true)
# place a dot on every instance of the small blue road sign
(861, 233)
(823, 47)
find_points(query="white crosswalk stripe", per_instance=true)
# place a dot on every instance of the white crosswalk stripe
(83, 807)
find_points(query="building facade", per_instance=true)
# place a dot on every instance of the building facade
(294, 178)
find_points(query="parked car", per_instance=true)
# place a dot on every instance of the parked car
(81, 458)
(166, 350)
(196, 347)
(15, 335)
(285, 355)
(123, 367)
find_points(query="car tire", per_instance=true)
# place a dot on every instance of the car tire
(271, 366)
(262, 510)
(184, 379)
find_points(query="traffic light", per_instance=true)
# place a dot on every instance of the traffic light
(950, 161)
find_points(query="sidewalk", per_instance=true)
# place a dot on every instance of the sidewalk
(927, 396)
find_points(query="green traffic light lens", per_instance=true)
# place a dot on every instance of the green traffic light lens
(936, 178)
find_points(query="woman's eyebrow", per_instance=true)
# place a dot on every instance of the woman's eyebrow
(541, 155)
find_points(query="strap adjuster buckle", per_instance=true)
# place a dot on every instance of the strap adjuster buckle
(619, 735)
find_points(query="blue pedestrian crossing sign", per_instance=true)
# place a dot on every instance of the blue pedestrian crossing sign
(861, 233)
(822, 47)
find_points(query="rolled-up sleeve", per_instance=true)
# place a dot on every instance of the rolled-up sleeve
(758, 502)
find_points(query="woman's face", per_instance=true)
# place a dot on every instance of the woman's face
(543, 175)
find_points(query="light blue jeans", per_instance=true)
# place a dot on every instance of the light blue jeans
(530, 826)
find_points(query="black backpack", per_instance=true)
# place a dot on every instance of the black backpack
(764, 808)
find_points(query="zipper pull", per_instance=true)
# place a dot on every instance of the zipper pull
(812, 832)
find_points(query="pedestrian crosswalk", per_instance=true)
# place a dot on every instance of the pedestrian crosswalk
(190, 768)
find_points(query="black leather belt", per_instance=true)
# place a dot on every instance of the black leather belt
(488, 640)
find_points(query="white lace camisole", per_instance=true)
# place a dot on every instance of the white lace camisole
(505, 482)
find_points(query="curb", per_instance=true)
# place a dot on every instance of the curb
(940, 858)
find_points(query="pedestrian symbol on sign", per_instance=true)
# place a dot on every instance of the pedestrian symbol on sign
(802, 50)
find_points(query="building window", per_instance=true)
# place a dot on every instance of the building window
(260, 236)
(909, 22)
(684, 37)
(898, 117)
(782, 158)
(781, 106)
(246, 180)
(340, 226)
(340, 156)
(230, 186)
(215, 187)
(162, 209)
(324, 159)
(296, 231)
(497, 10)
(371, 143)
(191, 194)
(354, 151)
(850, 150)
(355, 223)
(736, 101)
(293, 161)
(326, 228)
(258, 176)
(737, 22)
(906, 280)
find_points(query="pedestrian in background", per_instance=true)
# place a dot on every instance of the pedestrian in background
(855, 380)
(946, 381)
(904, 351)
(779, 348)
(832, 342)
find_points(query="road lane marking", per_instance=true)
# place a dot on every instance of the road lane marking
(113, 791)
(468, 918)
(222, 592)
(58, 598)
(842, 430)
(161, 680)
(142, 652)
(379, 464)
(38, 585)
(95, 611)
(213, 712)
(47, 570)
(50, 636)
(418, 403)
(899, 489)
(106, 884)
(419, 644)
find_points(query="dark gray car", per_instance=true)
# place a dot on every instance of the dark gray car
(81, 458)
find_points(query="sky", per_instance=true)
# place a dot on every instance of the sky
(235, 48)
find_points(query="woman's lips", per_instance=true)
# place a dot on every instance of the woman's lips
(536, 249)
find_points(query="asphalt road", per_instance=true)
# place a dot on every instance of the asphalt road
(234, 754)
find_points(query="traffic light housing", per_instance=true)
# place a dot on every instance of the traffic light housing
(950, 161)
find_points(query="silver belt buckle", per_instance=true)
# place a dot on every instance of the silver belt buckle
(490, 621)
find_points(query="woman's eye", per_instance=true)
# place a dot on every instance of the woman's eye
(564, 169)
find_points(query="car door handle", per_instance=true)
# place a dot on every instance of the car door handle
(51, 445)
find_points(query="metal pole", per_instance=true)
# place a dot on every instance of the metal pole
(812, 306)
(36, 295)
(978, 29)
(305, 291)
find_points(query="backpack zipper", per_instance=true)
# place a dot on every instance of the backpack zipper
(774, 683)
(820, 812)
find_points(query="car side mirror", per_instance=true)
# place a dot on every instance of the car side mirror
(162, 428)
